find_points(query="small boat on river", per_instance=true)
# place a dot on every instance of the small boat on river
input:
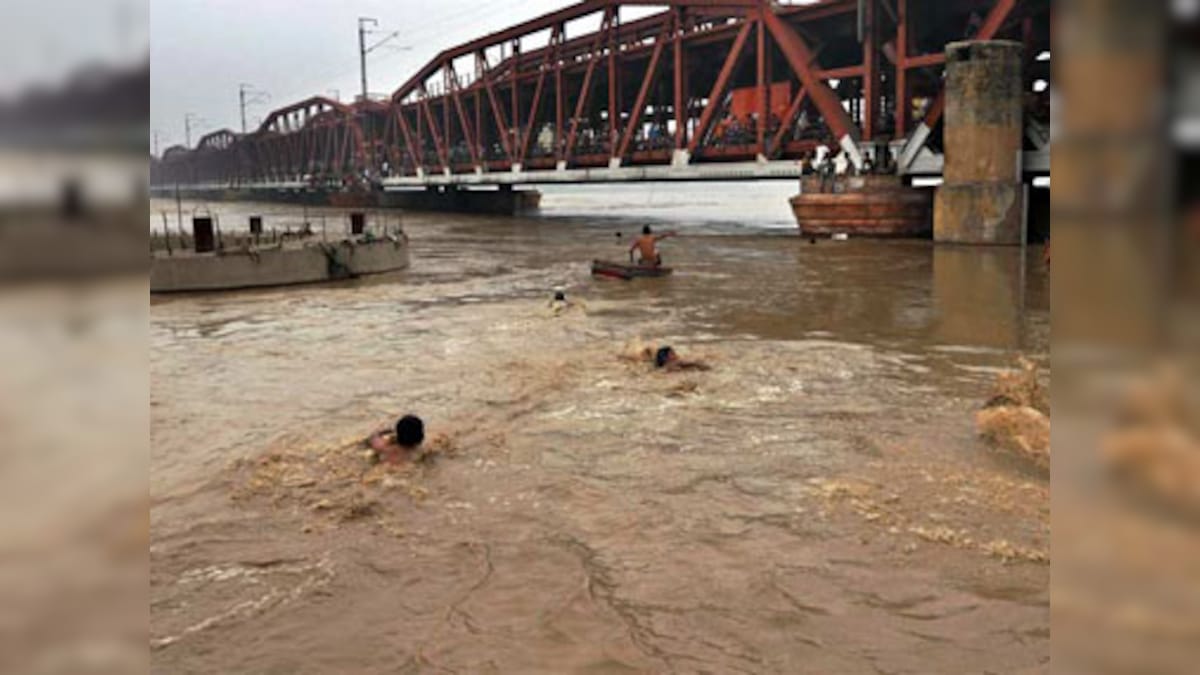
(627, 271)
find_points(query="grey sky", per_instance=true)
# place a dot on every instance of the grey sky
(202, 49)
(43, 41)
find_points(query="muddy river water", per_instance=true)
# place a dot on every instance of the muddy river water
(817, 502)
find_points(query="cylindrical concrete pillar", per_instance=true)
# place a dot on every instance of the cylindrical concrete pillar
(982, 200)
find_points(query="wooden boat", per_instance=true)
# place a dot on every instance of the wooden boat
(627, 271)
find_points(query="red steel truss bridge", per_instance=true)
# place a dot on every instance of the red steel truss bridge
(684, 90)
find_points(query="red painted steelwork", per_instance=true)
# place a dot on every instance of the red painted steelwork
(650, 106)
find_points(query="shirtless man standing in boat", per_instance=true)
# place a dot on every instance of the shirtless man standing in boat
(647, 247)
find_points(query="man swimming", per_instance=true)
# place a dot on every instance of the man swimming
(647, 247)
(403, 442)
(666, 358)
(560, 304)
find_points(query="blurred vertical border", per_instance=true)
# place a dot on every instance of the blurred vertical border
(74, 404)
(1125, 208)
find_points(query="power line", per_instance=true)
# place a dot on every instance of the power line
(437, 27)
(255, 96)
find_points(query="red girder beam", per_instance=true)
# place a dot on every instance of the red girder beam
(360, 141)
(498, 114)
(902, 104)
(523, 148)
(433, 130)
(870, 70)
(464, 123)
(516, 108)
(479, 119)
(680, 98)
(995, 19)
(420, 133)
(786, 123)
(925, 60)
(446, 122)
(614, 108)
(299, 106)
(558, 107)
(537, 100)
(760, 70)
(718, 88)
(991, 26)
(585, 91)
(635, 31)
(845, 73)
(413, 149)
(801, 58)
(639, 106)
(547, 21)
(344, 154)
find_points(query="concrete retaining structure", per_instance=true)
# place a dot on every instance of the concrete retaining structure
(276, 266)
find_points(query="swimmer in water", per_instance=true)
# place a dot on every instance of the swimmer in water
(667, 359)
(398, 444)
(559, 303)
(647, 247)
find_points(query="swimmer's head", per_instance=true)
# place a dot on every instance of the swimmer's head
(663, 356)
(410, 431)
(559, 296)
(646, 229)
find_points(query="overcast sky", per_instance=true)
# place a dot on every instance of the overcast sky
(202, 49)
(44, 41)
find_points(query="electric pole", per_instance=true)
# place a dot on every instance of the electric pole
(363, 49)
(187, 128)
(255, 96)
(155, 136)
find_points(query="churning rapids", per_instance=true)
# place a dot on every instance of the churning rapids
(818, 502)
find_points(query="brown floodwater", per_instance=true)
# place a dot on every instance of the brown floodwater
(816, 502)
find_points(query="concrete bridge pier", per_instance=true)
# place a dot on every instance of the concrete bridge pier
(982, 199)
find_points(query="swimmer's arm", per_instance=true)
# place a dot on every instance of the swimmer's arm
(665, 235)
(378, 441)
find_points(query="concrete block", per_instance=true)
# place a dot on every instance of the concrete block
(979, 213)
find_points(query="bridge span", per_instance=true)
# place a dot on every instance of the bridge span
(697, 90)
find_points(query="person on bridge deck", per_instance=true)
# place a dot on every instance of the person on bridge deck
(647, 247)
(398, 444)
